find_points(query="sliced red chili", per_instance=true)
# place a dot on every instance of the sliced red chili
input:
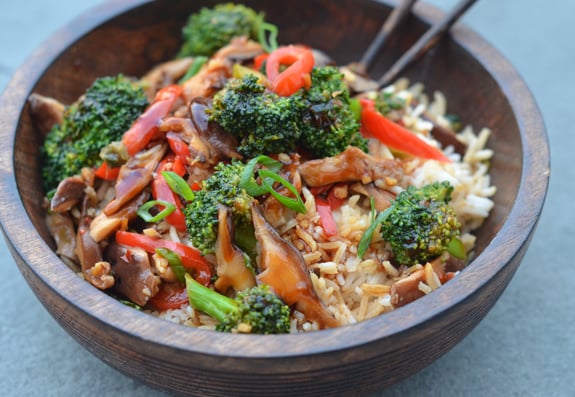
(178, 146)
(191, 258)
(376, 125)
(104, 171)
(170, 296)
(326, 217)
(259, 61)
(299, 61)
(334, 201)
(144, 128)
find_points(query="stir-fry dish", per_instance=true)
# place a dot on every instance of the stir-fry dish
(251, 187)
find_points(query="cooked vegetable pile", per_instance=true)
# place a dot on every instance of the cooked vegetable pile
(246, 187)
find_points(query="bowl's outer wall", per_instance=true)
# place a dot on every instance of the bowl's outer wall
(346, 361)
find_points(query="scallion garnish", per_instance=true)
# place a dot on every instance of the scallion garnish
(270, 43)
(194, 68)
(178, 185)
(174, 261)
(295, 204)
(368, 235)
(247, 179)
(457, 249)
(144, 210)
(268, 176)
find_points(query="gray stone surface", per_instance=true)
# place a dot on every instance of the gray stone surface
(525, 345)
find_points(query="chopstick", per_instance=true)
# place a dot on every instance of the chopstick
(427, 41)
(395, 19)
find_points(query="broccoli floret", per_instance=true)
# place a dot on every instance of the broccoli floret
(420, 225)
(221, 188)
(263, 122)
(328, 126)
(319, 119)
(101, 116)
(212, 28)
(256, 310)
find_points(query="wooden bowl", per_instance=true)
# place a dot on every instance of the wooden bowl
(132, 35)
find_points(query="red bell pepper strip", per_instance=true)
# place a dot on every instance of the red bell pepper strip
(191, 258)
(104, 171)
(162, 191)
(178, 146)
(374, 124)
(334, 201)
(326, 217)
(170, 296)
(144, 128)
(259, 61)
(299, 61)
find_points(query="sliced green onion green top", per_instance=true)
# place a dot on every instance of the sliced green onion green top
(268, 36)
(368, 235)
(268, 176)
(144, 210)
(457, 249)
(247, 179)
(295, 204)
(178, 185)
(174, 261)
(194, 68)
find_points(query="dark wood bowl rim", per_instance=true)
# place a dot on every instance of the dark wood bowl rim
(45, 264)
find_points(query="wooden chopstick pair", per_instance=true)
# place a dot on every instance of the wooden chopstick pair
(428, 40)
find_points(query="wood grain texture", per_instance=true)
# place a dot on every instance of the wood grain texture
(129, 37)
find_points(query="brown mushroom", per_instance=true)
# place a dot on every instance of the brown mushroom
(381, 198)
(134, 176)
(62, 230)
(407, 289)
(223, 143)
(165, 74)
(95, 270)
(283, 268)
(46, 112)
(69, 193)
(351, 165)
(239, 49)
(231, 268)
(211, 78)
(134, 277)
(103, 225)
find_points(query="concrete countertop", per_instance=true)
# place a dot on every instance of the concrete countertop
(524, 346)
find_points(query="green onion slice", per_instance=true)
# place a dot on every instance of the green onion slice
(247, 179)
(144, 210)
(368, 235)
(295, 204)
(174, 261)
(194, 68)
(178, 185)
(457, 249)
(268, 176)
(268, 36)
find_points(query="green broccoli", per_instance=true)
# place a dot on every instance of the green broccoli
(100, 117)
(201, 213)
(328, 126)
(256, 310)
(262, 121)
(212, 28)
(419, 225)
(319, 119)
